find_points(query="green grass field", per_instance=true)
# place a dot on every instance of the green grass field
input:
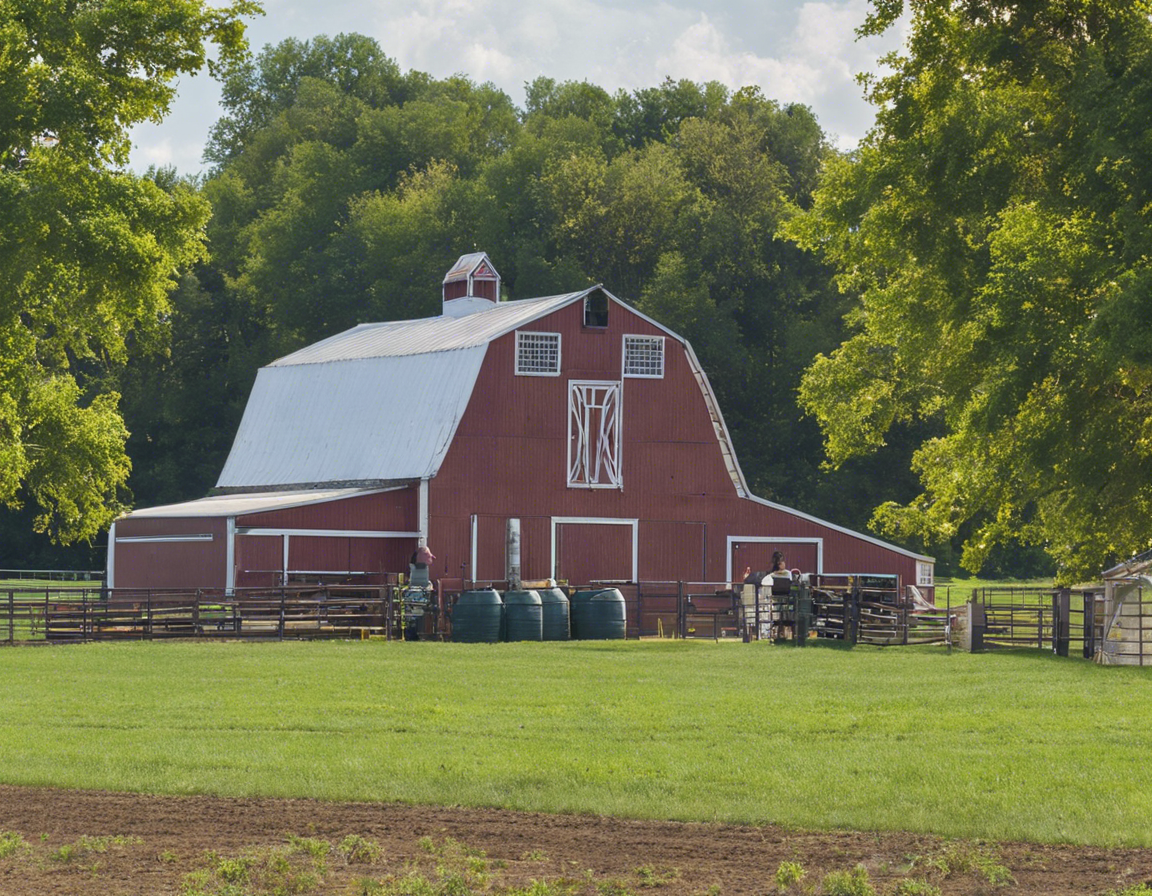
(1008, 745)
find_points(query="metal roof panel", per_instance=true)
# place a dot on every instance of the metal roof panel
(236, 505)
(354, 420)
(428, 334)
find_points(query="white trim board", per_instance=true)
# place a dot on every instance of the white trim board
(770, 539)
(601, 521)
(327, 533)
(129, 539)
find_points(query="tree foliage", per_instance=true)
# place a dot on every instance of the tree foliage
(993, 229)
(343, 189)
(87, 251)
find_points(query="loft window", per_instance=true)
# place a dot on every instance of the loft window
(924, 575)
(596, 309)
(594, 435)
(644, 356)
(537, 354)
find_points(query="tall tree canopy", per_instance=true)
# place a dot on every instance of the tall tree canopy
(88, 252)
(343, 189)
(995, 230)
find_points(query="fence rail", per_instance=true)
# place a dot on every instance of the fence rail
(63, 615)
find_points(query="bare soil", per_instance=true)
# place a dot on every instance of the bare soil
(166, 838)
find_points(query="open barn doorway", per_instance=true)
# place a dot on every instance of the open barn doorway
(755, 552)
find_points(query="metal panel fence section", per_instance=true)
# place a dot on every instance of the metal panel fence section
(68, 615)
(1064, 620)
(1125, 623)
(52, 575)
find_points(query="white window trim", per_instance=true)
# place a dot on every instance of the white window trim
(600, 521)
(768, 539)
(925, 574)
(616, 477)
(559, 343)
(624, 357)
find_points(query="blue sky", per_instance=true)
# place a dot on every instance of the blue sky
(794, 50)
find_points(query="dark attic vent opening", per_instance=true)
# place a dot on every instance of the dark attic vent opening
(596, 309)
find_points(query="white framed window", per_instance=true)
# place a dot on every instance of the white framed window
(924, 574)
(594, 435)
(537, 354)
(644, 357)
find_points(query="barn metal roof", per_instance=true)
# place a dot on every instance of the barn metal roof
(359, 419)
(237, 505)
(428, 334)
(381, 403)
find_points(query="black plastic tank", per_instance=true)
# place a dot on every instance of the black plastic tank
(555, 614)
(477, 616)
(523, 616)
(598, 615)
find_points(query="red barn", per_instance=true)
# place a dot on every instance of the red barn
(588, 422)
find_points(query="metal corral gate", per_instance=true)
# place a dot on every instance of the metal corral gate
(1063, 620)
(859, 609)
(80, 614)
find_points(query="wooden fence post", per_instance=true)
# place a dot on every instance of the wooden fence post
(11, 616)
(1061, 623)
(681, 611)
(1089, 625)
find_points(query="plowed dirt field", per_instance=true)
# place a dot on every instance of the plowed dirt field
(78, 842)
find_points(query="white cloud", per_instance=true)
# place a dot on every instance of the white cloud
(794, 50)
(815, 64)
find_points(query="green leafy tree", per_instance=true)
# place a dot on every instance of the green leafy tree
(343, 190)
(87, 251)
(994, 229)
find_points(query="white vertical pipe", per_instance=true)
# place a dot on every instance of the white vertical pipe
(423, 510)
(512, 553)
(110, 561)
(230, 557)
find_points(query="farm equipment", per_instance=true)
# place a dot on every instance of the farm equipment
(415, 601)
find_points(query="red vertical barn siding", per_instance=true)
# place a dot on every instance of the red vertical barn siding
(380, 555)
(672, 551)
(510, 453)
(171, 564)
(308, 553)
(491, 535)
(390, 511)
(450, 538)
(586, 552)
(259, 560)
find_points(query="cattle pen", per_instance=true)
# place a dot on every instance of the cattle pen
(851, 610)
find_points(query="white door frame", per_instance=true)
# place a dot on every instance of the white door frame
(601, 521)
(768, 539)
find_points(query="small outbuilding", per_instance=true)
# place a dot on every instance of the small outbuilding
(1126, 626)
(573, 419)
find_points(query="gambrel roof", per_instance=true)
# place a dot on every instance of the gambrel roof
(379, 404)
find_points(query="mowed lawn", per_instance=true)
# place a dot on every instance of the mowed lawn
(1006, 745)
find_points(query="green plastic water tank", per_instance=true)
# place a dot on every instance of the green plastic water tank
(598, 615)
(523, 616)
(476, 617)
(555, 613)
(578, 612)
